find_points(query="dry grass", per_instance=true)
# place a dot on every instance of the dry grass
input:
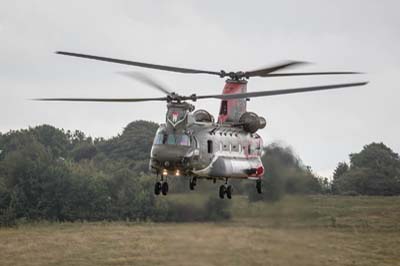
(255, 240)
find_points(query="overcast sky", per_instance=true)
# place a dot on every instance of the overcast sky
(322, 127)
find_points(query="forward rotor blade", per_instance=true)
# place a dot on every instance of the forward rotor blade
(118, 100)
(280, 92)
(311, 74)
(263, 72)
(140, 64)
(146, 80)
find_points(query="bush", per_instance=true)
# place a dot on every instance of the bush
(217, 209)
(179, 212)
(214, 209)
(7, 217)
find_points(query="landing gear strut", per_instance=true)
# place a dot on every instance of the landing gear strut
(225, 189)
(161, 187)
(192, 183)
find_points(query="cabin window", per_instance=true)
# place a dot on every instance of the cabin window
(209, 146)
(224, 108)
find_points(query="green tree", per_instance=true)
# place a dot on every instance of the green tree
(341, 169)
(134, 143)
(373, 171)
(84, 151)
(23, 171)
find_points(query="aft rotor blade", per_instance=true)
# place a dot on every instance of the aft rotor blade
(141, 64)
(280, 92)
(146, 80)
(263, 72)
(117, 100)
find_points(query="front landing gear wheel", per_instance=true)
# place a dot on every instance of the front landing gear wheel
(164, 188)
(157, 188)
(259, 186)
(228, 192)
(222, 190)
(192, 183)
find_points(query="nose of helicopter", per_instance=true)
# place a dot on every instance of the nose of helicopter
(169, 156)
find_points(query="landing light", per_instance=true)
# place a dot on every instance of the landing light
(177, 173)
(165, 172)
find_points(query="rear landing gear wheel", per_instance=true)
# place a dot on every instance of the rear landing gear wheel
(157, 188)
(192, 183)
(228, 191)
(222, 190)
(259, 186)
(164, 188)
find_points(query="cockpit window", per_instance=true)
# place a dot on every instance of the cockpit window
(183, 140)
(172, 139)
(159, 138)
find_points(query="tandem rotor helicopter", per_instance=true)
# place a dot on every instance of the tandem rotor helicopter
(191, 143)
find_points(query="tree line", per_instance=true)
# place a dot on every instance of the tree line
(51, 174)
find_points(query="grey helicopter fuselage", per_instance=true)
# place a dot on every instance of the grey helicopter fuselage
(191, 143)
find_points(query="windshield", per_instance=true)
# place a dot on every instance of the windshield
(172, 139)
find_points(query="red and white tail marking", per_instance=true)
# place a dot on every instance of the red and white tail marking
(232, 109)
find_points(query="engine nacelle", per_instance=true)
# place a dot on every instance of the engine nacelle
(252, 122)
(263, 122)
(203, 116)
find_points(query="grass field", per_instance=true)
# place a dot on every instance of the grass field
(317, 230)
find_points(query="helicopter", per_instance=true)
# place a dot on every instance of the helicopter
(191, 143)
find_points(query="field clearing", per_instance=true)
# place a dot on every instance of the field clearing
(296, 231)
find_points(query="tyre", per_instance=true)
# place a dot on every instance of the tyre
(157, 188)
(164, 188)
(259, 186)
(191, 185)
(222, 191)
(229, 190)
